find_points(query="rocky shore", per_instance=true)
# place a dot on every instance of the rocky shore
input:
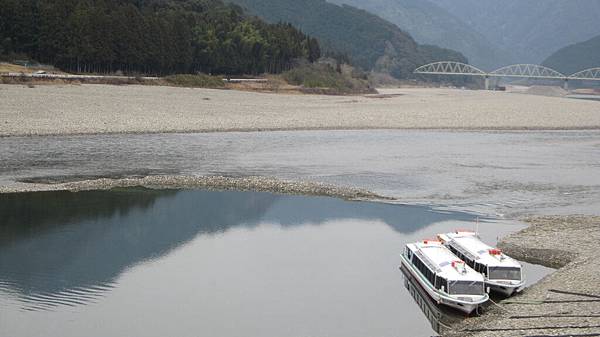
(259, 184)
(566, 302)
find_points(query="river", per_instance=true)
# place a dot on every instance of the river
(188, 263)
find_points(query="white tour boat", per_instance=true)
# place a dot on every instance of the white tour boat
(502, 273)
(446, 278)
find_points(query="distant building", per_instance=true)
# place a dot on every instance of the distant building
(24, 63)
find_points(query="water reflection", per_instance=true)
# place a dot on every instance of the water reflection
(441, 318)
(63, 248)
(67, 248)
(268, 262)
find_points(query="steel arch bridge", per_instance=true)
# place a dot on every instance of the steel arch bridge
(527, 71)
(588, 74)
(513, 71)
(449, 68)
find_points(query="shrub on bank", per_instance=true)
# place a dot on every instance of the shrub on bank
(324, 78)
(195, 81)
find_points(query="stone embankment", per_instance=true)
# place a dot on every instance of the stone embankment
(566, 302)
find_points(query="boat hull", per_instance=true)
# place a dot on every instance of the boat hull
(464, 306)
(505, 289)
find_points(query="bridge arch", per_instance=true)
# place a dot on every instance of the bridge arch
(587, 74)
(449, 68)
(528, 71)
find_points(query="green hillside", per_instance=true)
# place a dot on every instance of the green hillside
(370, 41)
(431, 24)
(149, 36)
(576, 57)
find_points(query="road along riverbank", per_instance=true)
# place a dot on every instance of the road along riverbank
(93, 109)
(566, 302)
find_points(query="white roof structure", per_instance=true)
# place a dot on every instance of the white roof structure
(440, 259)
(470, 245)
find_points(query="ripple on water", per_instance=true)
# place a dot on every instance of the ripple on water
(66, 298)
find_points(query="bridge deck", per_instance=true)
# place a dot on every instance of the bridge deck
(515, 71)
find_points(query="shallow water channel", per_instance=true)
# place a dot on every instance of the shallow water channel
(143, 262)
(507, 174)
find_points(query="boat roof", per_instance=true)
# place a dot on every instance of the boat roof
(473, 247)
(439, 258)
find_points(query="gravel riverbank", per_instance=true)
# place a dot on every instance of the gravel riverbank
(565, 303)
(259, 184)
(92, 109)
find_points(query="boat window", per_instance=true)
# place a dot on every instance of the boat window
(466, 288)
(425, 271)
(480, 268)
(439, 282)
(461, 256)
(505, 273)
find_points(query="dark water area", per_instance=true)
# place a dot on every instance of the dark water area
(139, 262)
(440, 317)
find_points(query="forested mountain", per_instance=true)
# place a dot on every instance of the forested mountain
(531, 29)
(576, 57)
(149, 36)
(428, 23)
(370, 41)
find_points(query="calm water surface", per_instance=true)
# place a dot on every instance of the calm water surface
(200, 263)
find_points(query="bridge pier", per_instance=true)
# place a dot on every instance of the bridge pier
(487, 82)
(566, 85)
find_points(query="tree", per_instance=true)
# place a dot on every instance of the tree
(149, 36)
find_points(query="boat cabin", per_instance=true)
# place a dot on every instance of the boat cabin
(443, 270)
(487, 260)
